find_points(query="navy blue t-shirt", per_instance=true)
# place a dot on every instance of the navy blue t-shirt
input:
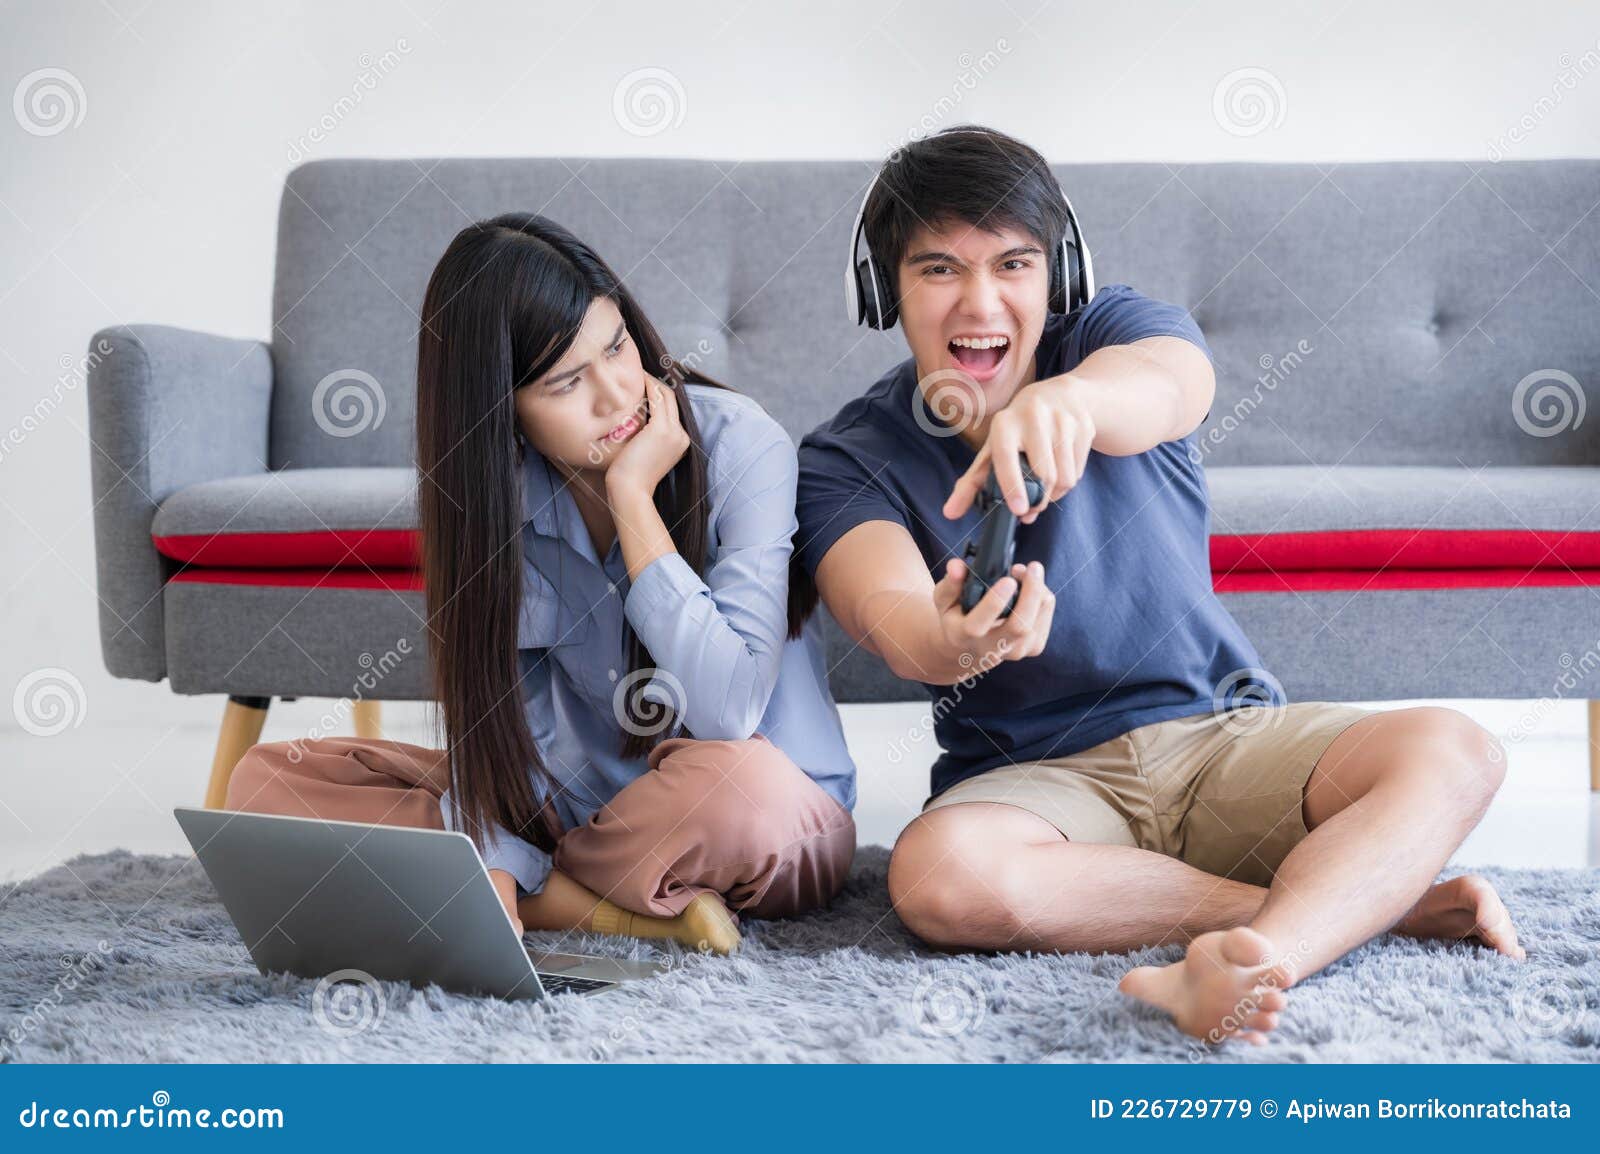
(1138, 635)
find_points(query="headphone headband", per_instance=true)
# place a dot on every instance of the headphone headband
(869, 290)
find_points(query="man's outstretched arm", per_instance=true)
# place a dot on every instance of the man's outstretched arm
(877, 586)
(1119, 400)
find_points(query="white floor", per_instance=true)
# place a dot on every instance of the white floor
(95, 788)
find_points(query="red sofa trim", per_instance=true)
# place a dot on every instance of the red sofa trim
(1370, 549)
(325, 548)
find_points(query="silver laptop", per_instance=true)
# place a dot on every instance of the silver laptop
(314, 897)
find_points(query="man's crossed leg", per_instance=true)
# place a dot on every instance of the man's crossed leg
(1383, 807)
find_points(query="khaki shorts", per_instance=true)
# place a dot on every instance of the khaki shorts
(1220, 791)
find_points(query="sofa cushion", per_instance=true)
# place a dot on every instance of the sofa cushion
(1280, 529)
(1284, 518)
(360, 518)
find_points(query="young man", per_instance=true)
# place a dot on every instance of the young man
(1117, 770)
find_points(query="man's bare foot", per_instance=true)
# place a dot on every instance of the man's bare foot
(1226, 986)
(1463, 907)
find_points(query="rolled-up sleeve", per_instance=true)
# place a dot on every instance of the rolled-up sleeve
(503, 850)
(717, 643)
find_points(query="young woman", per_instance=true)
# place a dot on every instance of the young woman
(639, 733)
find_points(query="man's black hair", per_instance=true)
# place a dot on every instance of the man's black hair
(970, 174)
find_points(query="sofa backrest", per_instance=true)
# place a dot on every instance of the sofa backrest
(1364, 313)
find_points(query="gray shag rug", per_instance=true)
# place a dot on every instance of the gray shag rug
(121, 957)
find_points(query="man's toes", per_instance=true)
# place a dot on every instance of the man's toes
(1262, 1020)
(1243, 946)
(1270, 999)
(1141, 982)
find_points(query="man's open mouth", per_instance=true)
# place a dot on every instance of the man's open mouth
(980, 357)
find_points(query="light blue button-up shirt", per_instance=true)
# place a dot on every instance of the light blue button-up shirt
(720, 644)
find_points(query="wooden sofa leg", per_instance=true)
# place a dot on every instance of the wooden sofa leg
(1594, 745)
(368, 719)
(242, 720)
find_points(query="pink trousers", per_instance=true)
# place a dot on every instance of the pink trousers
(737, 818)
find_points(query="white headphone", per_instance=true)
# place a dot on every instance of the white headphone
(869, 289)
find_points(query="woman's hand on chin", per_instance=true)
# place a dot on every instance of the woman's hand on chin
(649, 455)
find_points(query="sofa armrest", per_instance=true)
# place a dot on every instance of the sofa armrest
(167, 408)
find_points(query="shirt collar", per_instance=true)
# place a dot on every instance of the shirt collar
(550, 508)
(540, 492)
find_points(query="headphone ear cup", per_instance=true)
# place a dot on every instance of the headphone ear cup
(1072, 287)
(864, 310)
(1058, 279)
(891, 305)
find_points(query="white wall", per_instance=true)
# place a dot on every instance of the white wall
(159, 203)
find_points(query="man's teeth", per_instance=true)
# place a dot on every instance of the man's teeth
(981, 342)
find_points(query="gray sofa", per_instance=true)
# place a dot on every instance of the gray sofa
(1406, 497)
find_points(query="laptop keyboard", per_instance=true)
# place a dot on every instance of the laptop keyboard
(567, 984)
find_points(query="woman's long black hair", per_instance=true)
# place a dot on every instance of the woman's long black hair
(502, 307)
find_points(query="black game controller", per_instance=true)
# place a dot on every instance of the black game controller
(993, 547)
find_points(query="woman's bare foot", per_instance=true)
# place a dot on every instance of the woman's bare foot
(1463, 907)
(1226, 986)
